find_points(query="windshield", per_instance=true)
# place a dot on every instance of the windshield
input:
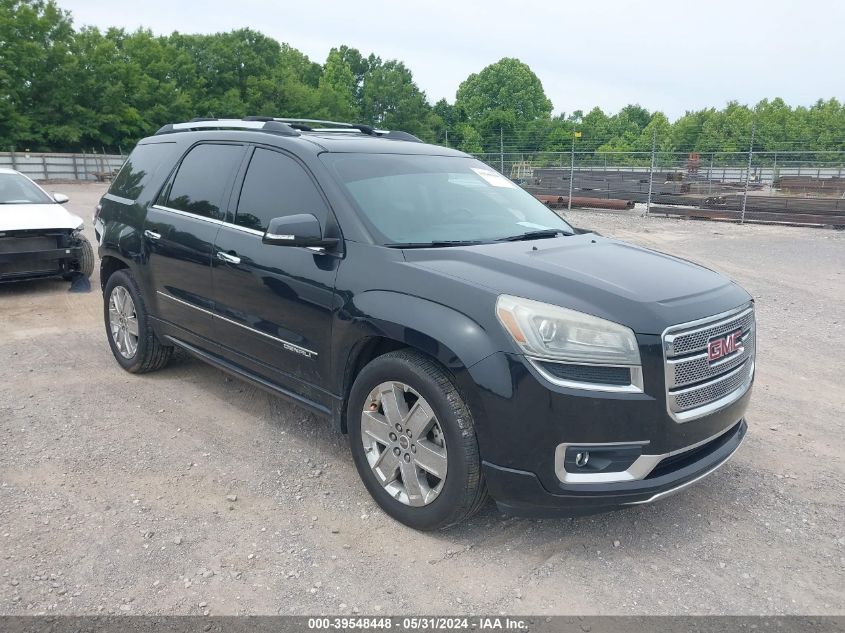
(17, 189)
(413, 199)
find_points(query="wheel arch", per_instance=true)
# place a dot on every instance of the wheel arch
(398, 321)
(110, 264)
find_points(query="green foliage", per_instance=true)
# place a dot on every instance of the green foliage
(63, 88)
(506, 86)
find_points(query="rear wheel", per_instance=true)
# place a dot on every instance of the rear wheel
(131, 337)
(413, 441)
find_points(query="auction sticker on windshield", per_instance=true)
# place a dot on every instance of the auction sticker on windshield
(494, 178)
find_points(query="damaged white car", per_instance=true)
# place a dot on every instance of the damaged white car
(38, 237)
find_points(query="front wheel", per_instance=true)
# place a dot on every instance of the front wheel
(86, 257)
(413, 441)
(86, 262)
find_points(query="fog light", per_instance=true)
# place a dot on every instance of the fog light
(599, 458)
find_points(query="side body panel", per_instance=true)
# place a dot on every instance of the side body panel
(178, 268)
(274, 309)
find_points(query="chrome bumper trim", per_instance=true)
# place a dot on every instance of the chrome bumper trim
(671, 491)
(640, 469)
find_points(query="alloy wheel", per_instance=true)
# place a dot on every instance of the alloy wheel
(123, 322)
(404, 443)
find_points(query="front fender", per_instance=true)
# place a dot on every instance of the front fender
(450, 336)
(442, 332)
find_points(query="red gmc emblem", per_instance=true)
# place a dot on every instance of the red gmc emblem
(720, 347)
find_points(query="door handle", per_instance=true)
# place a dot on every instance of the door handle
(152, 235)
(230, 259)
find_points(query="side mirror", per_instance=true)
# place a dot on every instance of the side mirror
(60, 198)
(302, 229)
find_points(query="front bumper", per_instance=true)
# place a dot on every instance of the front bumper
(526, 426)
(520, 492)
(35, 255)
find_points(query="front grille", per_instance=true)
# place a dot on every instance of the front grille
(683, 342)
(20, 251)
(694, 386)
(27, 243)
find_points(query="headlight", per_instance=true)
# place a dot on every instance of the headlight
(551, 332)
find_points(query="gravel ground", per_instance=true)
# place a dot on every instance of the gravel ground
(185, 491)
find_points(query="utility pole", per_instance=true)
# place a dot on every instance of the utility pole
(447, 137)
(502, 150)
(651, 170)
(572, 170)
(748, 171)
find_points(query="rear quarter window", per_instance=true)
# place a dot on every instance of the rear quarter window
(139, 168)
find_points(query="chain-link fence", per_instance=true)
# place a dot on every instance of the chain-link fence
(791, 186)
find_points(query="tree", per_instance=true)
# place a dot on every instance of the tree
(340, 84)
(66, 89)
(507, 86)
(468, 139)
(37, 69)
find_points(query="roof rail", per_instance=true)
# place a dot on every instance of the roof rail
(251, 123)
(286, 127)
(307, 125)
(314, 122)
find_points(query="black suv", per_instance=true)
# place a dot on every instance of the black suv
(467, 339)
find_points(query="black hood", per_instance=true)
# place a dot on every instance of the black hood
(643, 289)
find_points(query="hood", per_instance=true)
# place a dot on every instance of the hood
(643, 289)
(18, 217)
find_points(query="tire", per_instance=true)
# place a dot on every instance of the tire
(86, 257)
(147, 354)
(448, 446)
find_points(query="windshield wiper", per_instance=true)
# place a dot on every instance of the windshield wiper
(434, 244)
(534, 235)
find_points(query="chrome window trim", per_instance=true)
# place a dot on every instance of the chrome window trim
(119, 199)
(636, 385)
(291, 347)
(640, 469)
(186, 214)
(690, 327)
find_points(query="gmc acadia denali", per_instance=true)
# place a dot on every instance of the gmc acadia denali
(466, 338)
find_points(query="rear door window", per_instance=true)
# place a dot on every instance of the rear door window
(139, 168)
(204, 177)
(276, 185)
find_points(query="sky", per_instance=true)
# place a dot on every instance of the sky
(671, 56)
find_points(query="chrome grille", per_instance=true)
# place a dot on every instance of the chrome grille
(694, 387)
(698, 396)
(695, 339)
(691, 369)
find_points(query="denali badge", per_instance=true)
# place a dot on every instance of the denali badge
(720, 347)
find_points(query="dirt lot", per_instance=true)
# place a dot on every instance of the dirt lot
(187, 491)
